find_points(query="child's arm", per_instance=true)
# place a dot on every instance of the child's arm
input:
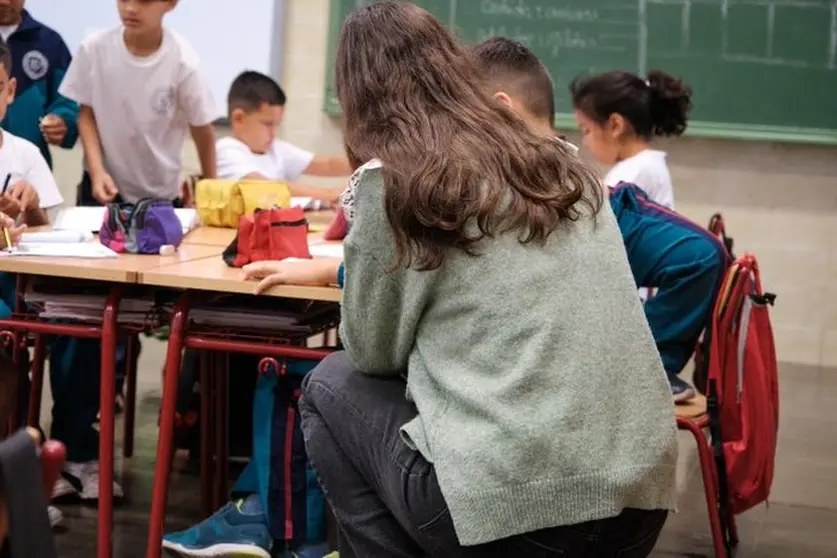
(104, 190)
(60, 125)
(195, 98)
(325, 195)
(322, 165)
(204, 138)
(37, 191)
(77, 86)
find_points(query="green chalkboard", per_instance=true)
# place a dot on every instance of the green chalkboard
(760, 69)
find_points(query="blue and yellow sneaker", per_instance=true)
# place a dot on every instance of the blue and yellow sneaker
(238, 530)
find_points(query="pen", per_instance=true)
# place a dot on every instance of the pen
(6, 183)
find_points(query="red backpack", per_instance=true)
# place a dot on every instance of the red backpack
(742, 386)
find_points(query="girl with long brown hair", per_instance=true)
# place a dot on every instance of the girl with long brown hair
(500, 393)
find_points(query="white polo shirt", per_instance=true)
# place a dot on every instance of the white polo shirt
(143, 107)
(21, 160)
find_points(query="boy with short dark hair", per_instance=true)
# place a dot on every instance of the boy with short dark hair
(666, 251)
(40, 59)
(140, 90)
(255, 107)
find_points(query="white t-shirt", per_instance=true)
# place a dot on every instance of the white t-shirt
(283, 161)
(7, 30)
(648, 170)
(21, 160)
(143, 108)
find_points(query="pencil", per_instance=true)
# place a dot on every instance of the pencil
(7, 238)
(6, 183)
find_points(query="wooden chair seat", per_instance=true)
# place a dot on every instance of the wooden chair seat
(691, 409)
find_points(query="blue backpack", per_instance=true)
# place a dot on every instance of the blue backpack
(289, 488)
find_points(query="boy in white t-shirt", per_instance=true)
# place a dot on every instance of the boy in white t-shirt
(619, 114)
(140, 91)
(256, 105)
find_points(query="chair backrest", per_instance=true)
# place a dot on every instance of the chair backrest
(718, 227)
(26, 479)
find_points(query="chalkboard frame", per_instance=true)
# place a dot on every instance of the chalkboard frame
(564, 121)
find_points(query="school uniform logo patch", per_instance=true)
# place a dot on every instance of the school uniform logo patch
(162, 101)
(35, 64)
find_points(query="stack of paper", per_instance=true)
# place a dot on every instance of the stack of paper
(60, 244)
(88, 307)
(295, 318)
(326, 250)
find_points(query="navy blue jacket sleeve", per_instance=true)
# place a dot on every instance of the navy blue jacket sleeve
(58, 104)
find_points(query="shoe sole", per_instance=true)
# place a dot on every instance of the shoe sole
(217, 551)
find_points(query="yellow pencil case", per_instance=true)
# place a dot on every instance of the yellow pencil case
(221, 203)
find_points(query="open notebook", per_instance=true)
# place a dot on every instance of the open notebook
(60, 244)
(89, 219)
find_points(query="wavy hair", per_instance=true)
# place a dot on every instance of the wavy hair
(453, 156)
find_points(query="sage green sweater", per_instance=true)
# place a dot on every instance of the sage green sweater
(541, 397)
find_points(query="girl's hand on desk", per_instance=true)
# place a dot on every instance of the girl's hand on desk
(316, 272)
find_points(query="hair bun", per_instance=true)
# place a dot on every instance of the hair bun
(671, 101)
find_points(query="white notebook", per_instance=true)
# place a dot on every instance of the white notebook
(60, 244)
(90, 219)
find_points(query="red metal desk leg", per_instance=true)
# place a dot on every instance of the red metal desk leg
(207, 379)
(165, 450)
(130, 409)
(36, 389)
(106, 424)
(221, 388)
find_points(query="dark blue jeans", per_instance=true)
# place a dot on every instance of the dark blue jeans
(386, 498)
(75, 380)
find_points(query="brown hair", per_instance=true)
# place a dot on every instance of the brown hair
(658, 106)
(511, 67)
(452, 155)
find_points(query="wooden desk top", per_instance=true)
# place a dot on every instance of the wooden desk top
(124, 269)
(212, 274)
(210, 236)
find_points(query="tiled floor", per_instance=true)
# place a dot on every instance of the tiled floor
(800, 521)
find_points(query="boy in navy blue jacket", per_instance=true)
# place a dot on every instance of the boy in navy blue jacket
(40, 59)
(666, 251)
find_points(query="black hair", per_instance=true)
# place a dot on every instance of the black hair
(511, 66)
(658, 106)
(5, 57)
(250, 90)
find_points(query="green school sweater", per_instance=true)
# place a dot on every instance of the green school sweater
(541, 397)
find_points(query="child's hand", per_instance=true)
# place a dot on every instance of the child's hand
(104, 189)
(26, 195)
(317, 272)
(15, 232)
(187, 191)
(53, 128)
(9, 207)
